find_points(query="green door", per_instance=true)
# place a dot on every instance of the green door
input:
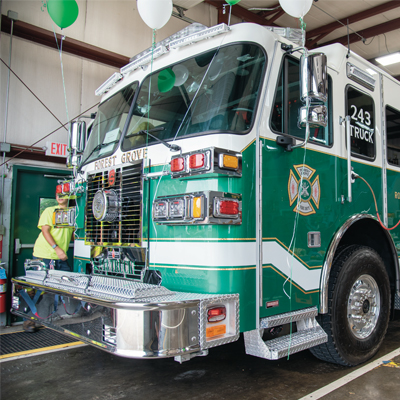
(31, 187)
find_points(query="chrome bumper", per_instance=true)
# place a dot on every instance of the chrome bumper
(127, 318)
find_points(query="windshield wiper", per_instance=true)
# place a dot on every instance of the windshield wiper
(98, 147)
(172, 147)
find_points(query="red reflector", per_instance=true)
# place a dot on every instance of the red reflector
(228, 207)
(177, 164)
(196, 161)
(65, 188)
(59, 189)
(216, 314)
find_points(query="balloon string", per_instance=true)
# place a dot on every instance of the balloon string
(303, 30)
(62, 68)
(153, 46)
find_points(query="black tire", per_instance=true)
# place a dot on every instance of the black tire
(359, 309)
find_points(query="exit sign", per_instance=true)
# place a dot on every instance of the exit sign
(56, 149)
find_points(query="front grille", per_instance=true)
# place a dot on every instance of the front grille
(126, 228)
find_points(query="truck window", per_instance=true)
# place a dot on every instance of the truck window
(109, 123)
(360, 108)
(393, 135)
(287, 103)
(215, 91)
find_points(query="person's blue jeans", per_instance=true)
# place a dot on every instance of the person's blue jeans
(58, 264)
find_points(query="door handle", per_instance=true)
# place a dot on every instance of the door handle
(19, 246)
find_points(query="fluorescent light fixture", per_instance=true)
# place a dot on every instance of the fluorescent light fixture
(145, 59)
(196, 37)
(371, 71)
(389, 59)
(108, 84)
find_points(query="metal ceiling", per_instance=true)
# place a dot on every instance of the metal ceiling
(373, 27)
(370, 27)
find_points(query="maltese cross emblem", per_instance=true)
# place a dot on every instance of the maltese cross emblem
(306, 193)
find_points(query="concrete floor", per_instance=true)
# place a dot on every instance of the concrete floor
(87, 373)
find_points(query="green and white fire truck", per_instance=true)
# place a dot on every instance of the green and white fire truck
(231, 182)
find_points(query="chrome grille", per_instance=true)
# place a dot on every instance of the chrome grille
(126, 228)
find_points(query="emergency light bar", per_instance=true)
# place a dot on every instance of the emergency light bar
(145, 59)
(196, 37)
(211, 160)
(208, 207)
(189, 30)
(108, 84)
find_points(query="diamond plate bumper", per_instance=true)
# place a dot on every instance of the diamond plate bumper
(123, 317)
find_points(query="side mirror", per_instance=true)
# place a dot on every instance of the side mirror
(314, 77)
(317, 116)
(77, 136)
(76, 142)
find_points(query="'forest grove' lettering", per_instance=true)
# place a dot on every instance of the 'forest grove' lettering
(127, 157)
(134, 155)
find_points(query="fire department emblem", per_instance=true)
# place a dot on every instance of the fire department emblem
(306, 192)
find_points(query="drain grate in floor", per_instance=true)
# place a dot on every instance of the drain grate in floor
(23, 341)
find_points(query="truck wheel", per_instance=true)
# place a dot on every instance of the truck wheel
(359, 307)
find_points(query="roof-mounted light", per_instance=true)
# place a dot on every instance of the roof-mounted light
(358, 75)
(143, 60)
(108, 84)
(196, 37)
(189, 30)
(292, 34)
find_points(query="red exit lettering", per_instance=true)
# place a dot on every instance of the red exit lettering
(58, 149)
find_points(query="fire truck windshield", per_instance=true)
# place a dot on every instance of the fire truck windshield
(108, 124)
(212, 92)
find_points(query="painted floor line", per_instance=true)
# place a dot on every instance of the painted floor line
(350, 377)
(43, 350)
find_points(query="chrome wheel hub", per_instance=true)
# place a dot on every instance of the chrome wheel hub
(363, 306)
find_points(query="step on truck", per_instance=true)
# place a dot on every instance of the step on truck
(232, 181)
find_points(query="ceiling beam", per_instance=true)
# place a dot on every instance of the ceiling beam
(323, 31)
(239, 12)
(266, 13)
(277, 15)
(366, 33)
(44, 37)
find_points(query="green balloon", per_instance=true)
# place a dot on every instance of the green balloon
(232, 2)
(63, 12)
(166, 80)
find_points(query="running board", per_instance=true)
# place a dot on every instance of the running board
(309, 334)
(397, 302)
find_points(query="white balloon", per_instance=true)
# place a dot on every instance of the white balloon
(181, 74)
(296, 8)
(155, 13)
